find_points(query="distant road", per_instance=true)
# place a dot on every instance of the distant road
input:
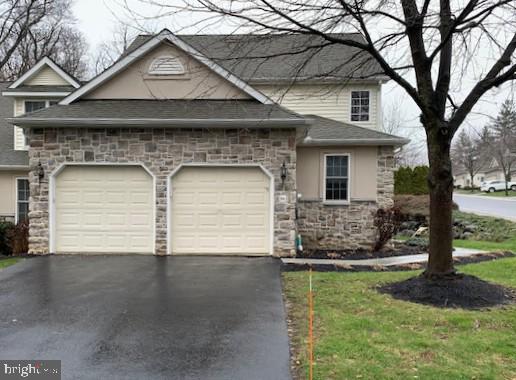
(478, 204)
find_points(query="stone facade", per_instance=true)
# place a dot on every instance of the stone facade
(347, 226)
(161, 151)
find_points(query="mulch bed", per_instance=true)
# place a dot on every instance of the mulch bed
(464, 291)
(399, 249)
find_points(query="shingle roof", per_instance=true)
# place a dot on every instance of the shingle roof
(40, 89)
(327, 131)
(161, 112)
(276, 57)
(9, 156)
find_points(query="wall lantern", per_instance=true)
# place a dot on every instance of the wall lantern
(283, 172)
(40, 172)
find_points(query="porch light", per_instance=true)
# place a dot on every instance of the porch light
(283, 172)
(40, 172)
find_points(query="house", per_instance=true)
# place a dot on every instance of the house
(197, 144)
(462, 179)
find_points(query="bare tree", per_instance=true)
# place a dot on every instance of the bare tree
(33, 29)
(424, 46)
(108, 52)
(499, 139)
(467, 154)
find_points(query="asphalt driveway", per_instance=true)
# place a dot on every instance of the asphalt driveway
(145, 317)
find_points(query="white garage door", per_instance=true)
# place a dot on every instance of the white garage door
(104, 209)
(220, 210)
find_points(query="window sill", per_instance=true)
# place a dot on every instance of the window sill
(336, 203)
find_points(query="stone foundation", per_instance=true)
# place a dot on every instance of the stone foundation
(161, 151)
(347, 226)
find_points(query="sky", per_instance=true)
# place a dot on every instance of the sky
(98, 19)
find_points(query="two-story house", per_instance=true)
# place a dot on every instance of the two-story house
(204, 144)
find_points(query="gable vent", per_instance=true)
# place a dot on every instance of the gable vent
(166, 66)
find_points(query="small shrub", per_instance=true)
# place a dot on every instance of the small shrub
(387, 222)
(5, 227)
(18, 238)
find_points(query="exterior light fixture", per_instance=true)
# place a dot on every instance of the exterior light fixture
(40, 172)
(283, 172)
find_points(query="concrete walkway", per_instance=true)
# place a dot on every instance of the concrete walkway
(387, 261)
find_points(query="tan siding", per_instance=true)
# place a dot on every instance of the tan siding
(310, 171)
(199, 82)
(324, 100)
(8, 192)
(46, 77)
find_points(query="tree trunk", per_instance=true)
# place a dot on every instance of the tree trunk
(440, 182)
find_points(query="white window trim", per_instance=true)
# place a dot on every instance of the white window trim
(337, 202)
(16, 216)
(351, 106)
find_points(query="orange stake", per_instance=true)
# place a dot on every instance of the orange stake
(311, 329)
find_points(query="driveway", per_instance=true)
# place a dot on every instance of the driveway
(146, 317)
(482, 205)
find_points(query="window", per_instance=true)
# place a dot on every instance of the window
(166, 66)
(34, 105)
(22, 199)
(336, 179)
(359, 105)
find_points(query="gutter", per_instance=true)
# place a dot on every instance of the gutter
(35, 94)
(14, 167)
(308, 141)
(103, 122)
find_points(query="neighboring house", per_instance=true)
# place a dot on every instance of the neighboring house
(495, 173)
(198, 145)
(462, 179)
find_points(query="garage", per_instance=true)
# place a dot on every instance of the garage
(221, 211)
(103, 209)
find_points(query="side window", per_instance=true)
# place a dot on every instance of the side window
(359, 105)
(336, 178)
(22, 199)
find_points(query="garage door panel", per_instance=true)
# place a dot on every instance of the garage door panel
(220, 210)
(104, 209)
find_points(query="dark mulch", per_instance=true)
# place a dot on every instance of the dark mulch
(465, 291)
(399, 249)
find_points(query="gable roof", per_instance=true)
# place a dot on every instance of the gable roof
(269, 58)
(45, 61)
(324, 131)
(164, 36)
(8, 156)
(162, 113)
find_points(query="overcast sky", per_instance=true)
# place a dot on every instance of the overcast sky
(98, 18)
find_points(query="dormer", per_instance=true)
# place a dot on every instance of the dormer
(45, 84)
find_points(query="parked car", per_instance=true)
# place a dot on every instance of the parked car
(492, 186)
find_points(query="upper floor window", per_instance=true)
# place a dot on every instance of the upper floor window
(166, 65)
(359, 105)
(336, 178)
(34, 105)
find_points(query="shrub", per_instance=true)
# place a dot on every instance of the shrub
(18, 238)
(5, 227)
(387, 222)
(411, 180)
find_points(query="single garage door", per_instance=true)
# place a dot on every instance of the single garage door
(220, 210)
(104, 209)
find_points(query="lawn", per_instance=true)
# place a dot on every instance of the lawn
(478, 192)
(361, 334)
(4, 263)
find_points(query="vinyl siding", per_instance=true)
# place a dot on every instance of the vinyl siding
(333, 102)
(8, 191)
(46, 77)
(19, 139)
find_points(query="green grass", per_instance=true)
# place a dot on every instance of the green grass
(478, 192)
(507, 245)
(4, 263)
(362, 334)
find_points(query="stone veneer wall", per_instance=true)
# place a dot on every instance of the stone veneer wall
(161, 151)
(347, 226)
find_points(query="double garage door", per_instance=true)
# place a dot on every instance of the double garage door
(212, 210)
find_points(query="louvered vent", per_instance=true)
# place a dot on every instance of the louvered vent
(166, 66)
